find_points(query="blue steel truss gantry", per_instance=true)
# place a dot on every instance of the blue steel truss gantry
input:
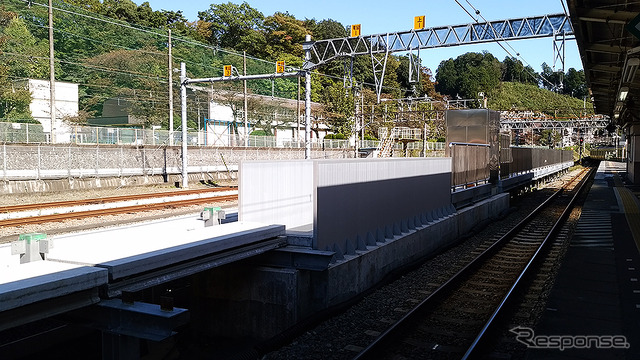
(323, 51)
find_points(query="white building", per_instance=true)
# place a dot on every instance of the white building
(66, 104)
(220, 131)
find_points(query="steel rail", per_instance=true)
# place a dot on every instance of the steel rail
(113, 211)
(447, 286)
(473, 348)
(55, 204)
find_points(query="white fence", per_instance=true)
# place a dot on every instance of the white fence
(24, 133)
(89, 135)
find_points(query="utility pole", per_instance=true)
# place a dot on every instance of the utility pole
(183, 98)
(298, 115)
(307, 102)
(245, 112)
(52, 77)
(170, 67)
(362, 115)
(356, 118)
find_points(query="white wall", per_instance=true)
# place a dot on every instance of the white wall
(276, 192)
(66, 104)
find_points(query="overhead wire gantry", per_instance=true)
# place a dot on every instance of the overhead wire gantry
(414, 40)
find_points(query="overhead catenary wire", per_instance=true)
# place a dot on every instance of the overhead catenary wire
(174, 38)
(140, 28)
(149, 31)
(94, 67)
(499, 39)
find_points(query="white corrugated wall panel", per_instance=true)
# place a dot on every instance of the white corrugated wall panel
(276, 192)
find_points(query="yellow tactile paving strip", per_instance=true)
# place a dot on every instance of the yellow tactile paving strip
(631, 210)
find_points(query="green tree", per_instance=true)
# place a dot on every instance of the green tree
(231, 22)
(14, 100)
(422, 83)
(125, 10)
(575, 84)
(339, 106)
(27, 56)
(285, 35)
(513, 70)
(552, 80)
(447, 78)
(135, 76)
(550, 138)
(327, 29)
(468, 75)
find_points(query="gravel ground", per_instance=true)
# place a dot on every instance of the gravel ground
(8, 234)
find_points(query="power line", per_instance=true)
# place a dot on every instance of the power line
(498, 42)
(93, 67)
(150, 31)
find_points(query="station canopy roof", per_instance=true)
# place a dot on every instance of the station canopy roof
(608, 38)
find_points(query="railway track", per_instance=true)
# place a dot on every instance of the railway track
(19, 221)
(110, 199)
(455, 320)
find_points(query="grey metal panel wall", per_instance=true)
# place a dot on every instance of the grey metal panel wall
(351, 211)
(475, 122)
(354, 200)
(469, 164)
(526, 159)
(474, 126)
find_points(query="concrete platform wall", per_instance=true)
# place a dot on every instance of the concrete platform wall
(241, 301)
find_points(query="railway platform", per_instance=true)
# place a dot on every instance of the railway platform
(593, 310)
(95, 267)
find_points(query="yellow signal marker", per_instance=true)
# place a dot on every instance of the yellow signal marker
(227, 70)
(418, 22)
(355, 30)
(279, 67)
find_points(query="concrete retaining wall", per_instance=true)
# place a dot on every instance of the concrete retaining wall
(60, 167)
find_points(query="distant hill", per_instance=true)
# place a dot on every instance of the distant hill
(521, 97)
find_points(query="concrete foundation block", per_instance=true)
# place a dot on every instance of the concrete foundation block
(371, 241)
(380, 235)
(404, 226)
(350, 250)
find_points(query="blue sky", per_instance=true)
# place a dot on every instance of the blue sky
(378, 17)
